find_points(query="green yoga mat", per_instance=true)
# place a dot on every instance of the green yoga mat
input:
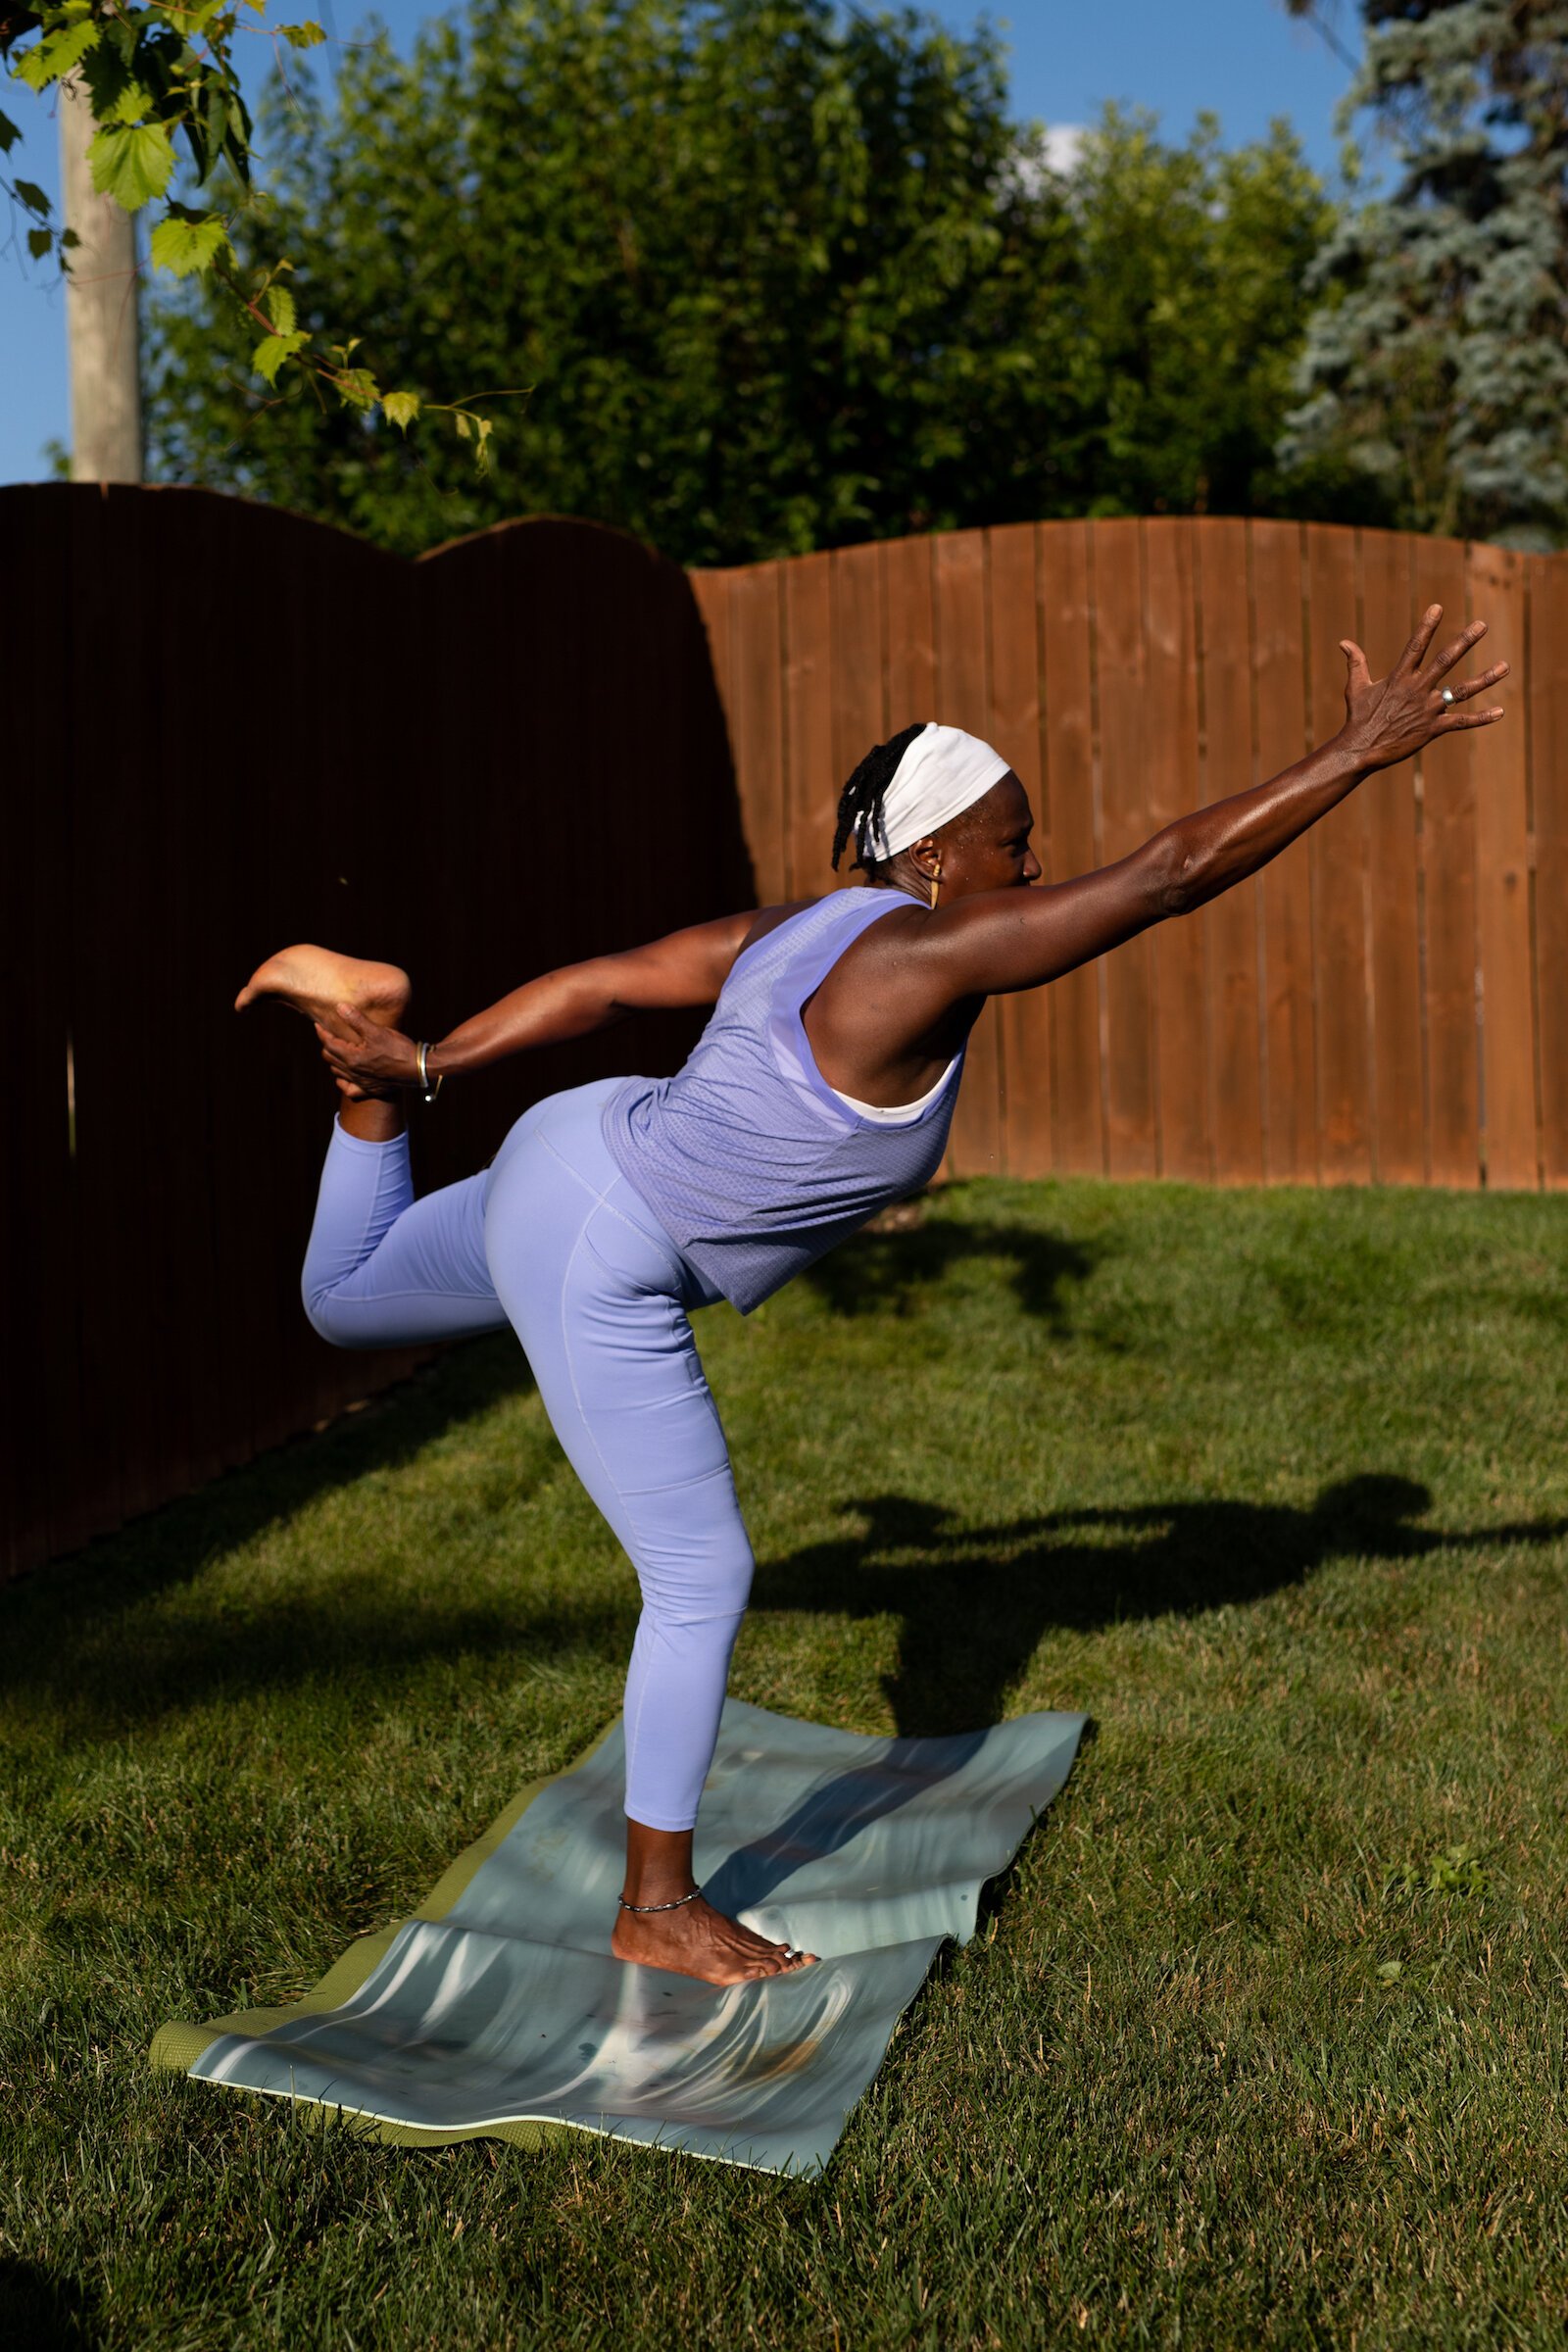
(497, 2009)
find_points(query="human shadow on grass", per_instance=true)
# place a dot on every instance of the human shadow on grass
(888, 1269)
(44, 2311)
(975, 1601)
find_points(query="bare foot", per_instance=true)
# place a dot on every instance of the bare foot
(698, 1941)
(315, 981)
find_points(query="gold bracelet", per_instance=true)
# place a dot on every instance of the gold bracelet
(428, 1091)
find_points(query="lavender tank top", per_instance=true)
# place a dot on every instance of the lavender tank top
(751, 1163)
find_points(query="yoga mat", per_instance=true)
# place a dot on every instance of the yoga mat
(497, 2009)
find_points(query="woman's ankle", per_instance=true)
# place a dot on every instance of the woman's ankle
(377, 1119)
(659, 1864)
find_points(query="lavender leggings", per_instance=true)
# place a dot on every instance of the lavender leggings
(552, 1239)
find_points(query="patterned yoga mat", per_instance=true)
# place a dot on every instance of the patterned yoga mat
(497, 2009)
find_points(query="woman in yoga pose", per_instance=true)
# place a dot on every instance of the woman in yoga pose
(822, 1088)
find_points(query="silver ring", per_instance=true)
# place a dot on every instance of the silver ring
(1448, 694)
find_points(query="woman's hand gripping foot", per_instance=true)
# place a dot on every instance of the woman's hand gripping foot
(357, 1009)
(696, 1940)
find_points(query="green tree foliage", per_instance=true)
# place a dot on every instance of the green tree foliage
(1437, 361)
(160, 80)
(1185, 304)
(776, 275)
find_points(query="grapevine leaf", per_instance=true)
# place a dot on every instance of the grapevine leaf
(133, 102)
(302, 37)
(106, 73)
(120, 33)
(237, 137)
(357, 388)
(58, 53)
(33, 197)
(131, 163)
(207, 128)
(9, 134)
(401, 408)
(184, 246)
(280, 310)
(270, 353)
(40, 243)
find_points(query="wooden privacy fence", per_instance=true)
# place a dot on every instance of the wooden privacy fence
(1387, 1002)
(232, 728)
(226, 728)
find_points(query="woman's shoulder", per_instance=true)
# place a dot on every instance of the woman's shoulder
(768, 918)
(851, 902)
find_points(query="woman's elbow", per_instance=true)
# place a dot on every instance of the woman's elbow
(1177, 879)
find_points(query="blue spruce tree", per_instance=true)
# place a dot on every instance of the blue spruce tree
(1437, 359)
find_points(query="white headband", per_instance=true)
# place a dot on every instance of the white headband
(943, 773)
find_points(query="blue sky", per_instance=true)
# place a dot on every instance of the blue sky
(1244, 58)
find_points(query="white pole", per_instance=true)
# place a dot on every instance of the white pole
(100, 313)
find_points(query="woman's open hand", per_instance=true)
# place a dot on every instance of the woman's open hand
(366, 1058)
(1388, 719)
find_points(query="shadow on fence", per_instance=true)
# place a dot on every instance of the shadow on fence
(243, 728)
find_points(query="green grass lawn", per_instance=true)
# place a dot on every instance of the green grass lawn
(1261, 2043)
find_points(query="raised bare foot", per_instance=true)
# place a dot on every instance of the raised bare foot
(698, 1941)
(315, 981)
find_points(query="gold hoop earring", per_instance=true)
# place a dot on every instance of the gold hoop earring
(935, 885)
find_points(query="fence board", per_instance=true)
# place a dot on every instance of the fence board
(911, 631)
(39, 1509)
(712, 590)
(1339, 848)
(1230, 923)
(964, 700)
(1497, 757)
(1398, 1078)
(1448, 889)
(757, 721)
(1077, 1105)
(1545, 703)
(858, 698)
(1180, 1008)
(117, 1150)
(1290, 1008)
(1121, 680)
(180, 830)
(1014, 728)
(812, 779)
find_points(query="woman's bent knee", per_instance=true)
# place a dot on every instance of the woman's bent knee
(327, 1316)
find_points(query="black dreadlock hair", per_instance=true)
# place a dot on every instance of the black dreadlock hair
(860, 801)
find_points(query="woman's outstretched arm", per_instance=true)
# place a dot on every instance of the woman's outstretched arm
(1007, 940)
(685, 968)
